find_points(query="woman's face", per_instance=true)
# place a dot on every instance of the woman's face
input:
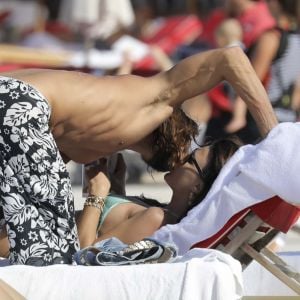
(185, 178)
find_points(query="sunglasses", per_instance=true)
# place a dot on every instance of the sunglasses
(191, 159)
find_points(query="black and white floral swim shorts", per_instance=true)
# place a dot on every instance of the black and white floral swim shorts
(35, 189)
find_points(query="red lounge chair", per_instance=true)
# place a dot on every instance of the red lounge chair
(246, 235)
(175, 31)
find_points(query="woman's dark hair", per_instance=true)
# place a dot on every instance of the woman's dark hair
(172, 138)
(219, 153)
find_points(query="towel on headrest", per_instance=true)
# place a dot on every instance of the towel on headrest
(253, 174)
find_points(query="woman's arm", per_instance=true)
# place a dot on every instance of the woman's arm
(99, 185)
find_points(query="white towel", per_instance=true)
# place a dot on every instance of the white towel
(200, 274)
(253, 174)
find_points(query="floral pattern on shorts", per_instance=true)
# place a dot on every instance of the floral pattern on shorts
(36, 196)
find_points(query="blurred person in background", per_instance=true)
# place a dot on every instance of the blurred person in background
(229, 34)
(276, 61)
(98, 20)
(20, 17)
(254, 18)
(204, 7)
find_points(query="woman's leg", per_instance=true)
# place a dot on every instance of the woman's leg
(138, 226)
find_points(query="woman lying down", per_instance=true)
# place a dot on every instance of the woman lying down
(130, 219)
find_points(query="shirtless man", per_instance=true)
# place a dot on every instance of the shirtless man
(48, 114)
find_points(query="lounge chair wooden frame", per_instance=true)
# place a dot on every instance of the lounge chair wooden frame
(247, 235)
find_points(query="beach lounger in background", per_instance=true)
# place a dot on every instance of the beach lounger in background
(246, 236)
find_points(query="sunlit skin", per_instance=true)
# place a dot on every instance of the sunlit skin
(93, 117)
(184, 180)
(131, 222)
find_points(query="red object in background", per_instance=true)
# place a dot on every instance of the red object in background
(58, 29)
(174, 31)
(247, 234)
(279, 214)
(210, 25)
(275, 212)
(254, 21)
(10, 67)
(4, 15)
(219, 100)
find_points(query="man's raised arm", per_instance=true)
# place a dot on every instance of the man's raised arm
(201, 72)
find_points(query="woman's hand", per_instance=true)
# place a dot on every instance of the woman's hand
(98, 185)
(118, 176)
(98, 181)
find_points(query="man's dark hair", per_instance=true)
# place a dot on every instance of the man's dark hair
(171, 139)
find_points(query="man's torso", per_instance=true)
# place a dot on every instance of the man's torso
(90, 117)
